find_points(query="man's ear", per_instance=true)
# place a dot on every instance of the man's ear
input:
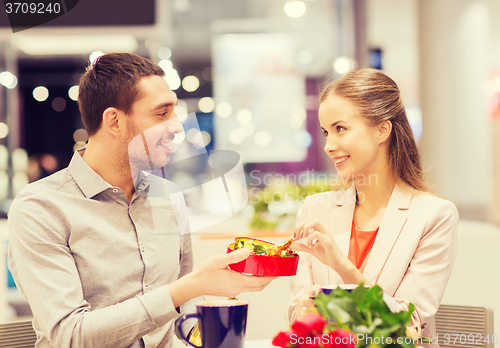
(111, 121)
(384, 131)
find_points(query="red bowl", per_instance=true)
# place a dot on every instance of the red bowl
(276, 266)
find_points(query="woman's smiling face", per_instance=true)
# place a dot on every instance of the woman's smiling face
(351, 142)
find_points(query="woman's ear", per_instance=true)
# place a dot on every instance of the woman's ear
(384, 131)
(111, 121)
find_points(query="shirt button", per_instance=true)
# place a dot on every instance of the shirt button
(143, 248)
(146, 288)
(115, 190)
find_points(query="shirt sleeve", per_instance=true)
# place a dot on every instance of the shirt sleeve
(44, 269)
(186, 265)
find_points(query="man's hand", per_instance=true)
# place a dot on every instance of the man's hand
(213, 277)
(219, 280)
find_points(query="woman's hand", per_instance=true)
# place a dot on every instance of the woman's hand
(319, 243)
(305, 302)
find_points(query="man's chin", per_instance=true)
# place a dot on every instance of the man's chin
(148, 166)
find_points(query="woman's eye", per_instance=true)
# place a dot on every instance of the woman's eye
(340, 129)
(162, 113)
(325, 133)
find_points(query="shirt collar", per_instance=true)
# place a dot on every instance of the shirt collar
(85, 177)
(142, 182)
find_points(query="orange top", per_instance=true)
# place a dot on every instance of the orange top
(360, 245)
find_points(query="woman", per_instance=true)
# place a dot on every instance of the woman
(386, 227)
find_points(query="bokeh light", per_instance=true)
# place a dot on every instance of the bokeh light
(295, 9)
(201, 139)
(190, 83)
(4, 185)
(206, 104)
(4, 157)
(179, 138)
(247, 129)
(19, 160)
(224, 109)
(59, 104)
(165, 64)
(244, 116)
(94, 55)
(19, 180)
(263, 138)
(73, 93)
(40, 93)
(4, 130)
(303, 139)
(343, 65)
(236, 136)
(8, 79)
(173, 79)
(80, 135)
(191, 133)
(78, 145)
(164, 52)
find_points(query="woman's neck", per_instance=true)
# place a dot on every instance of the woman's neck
(374, 190)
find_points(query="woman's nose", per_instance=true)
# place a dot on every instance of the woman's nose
(330, 145)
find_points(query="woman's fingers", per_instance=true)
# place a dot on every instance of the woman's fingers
(315, 290)
(298, 229)
(297, 246)
(306, 227)
(315, 237)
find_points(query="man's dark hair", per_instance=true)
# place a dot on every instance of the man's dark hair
(111, 81)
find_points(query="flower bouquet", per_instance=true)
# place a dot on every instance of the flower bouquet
(348, 319)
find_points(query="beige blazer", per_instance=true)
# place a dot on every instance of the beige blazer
(412, 256)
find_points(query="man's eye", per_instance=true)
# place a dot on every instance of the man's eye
(340, 129)
(325, 133)
(162, 113)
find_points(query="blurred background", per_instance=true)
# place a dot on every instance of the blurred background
(251, 70)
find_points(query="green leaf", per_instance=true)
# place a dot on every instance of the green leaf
(338, 313)
(364, 311)
(407, 345)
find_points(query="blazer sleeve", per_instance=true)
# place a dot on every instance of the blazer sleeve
(302, 282)
(430, 268)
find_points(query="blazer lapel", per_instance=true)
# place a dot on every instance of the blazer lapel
(392, 223)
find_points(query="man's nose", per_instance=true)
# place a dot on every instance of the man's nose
(174, 126)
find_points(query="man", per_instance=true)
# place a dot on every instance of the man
(101, 261)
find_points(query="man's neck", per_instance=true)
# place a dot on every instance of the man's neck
(111, 165)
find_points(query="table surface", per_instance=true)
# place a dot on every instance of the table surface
(259, 343)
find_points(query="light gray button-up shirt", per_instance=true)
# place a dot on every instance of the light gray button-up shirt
(94, 266)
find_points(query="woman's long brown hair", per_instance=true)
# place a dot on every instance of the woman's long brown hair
(378, 99)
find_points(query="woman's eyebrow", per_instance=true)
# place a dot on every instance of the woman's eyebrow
(337, 122)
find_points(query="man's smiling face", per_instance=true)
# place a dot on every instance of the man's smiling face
(152, 125)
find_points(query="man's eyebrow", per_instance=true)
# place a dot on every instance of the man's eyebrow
(166, 105)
